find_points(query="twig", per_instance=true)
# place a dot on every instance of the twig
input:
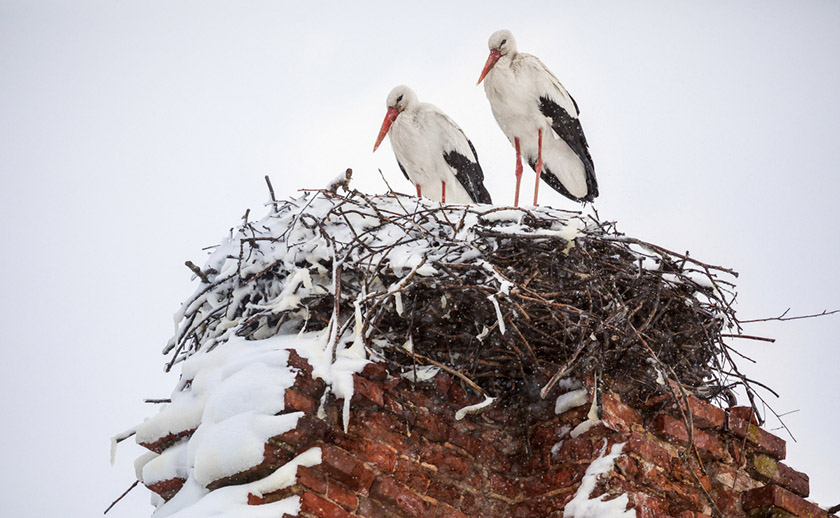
(748, 337)
(196, 270)
(132, 486)
(562, 370)
(783, 318)
(271, 192)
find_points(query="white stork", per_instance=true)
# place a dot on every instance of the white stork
(432, 151)
(540, 119)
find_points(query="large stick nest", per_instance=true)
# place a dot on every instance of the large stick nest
(508, 298)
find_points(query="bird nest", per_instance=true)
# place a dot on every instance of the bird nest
(508, 299)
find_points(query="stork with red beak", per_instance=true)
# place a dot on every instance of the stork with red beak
(540, 119)
(432, 151)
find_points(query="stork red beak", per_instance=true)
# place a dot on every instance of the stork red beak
(491, 60)
(390, 117)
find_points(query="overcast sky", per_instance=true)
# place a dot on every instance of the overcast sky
(135, 133)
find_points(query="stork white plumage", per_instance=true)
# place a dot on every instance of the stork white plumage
(540, 119)
(432, 151)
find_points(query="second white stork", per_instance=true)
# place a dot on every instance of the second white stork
(540, 119)
(432, 151)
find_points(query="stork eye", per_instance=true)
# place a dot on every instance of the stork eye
(502, 43)
(399, 98)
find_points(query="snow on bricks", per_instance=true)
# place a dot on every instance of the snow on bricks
(390, 462)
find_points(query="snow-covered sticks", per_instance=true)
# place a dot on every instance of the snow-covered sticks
(510, 298)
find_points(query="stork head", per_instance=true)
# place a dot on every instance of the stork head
(398, 100)
(501, 43)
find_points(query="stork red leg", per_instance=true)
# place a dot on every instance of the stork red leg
(539, 166)
(518, 171)
(417, 185)
(442, 191)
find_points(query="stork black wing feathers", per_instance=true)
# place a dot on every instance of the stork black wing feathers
(403, 170)
(469, 173)
(569, 129)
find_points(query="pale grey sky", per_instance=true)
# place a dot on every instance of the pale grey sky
(135, 133)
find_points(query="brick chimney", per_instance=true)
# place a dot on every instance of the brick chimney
(405, 455)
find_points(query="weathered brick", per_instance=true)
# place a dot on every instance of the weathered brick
(273, 458)
(443, 491)
(369, 508)
(450, 463)
(346, 468)
(299, 402)
(382, 456)
(651, 475)
(432, 426)
(312, 387)
(502, 415)
(168, 440)
(388, 490)
(705, 415)
(387, 428)
(446, 511)
(579, 448)
(488, 506)
(167, 488)
(616, 414)
(647, 449)
(465, 441)
(299, 362)
(369, 390)
(375, 371)
(628, 467)
(650, 504)
(744, 412)
(341, 495)
(308, 431)
(728, 502)
(765, 468)
(318, 506)
(563, 477)
(675, 430)
(409, 473)
(772, 498)
(499, 484)
(493, 459)
(549, 505)
(548, 434)
(728, 477)
(501, 439)
(761, 440)
(312, 479)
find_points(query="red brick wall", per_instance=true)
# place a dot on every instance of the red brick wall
(404, 455)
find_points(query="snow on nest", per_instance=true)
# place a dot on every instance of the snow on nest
(389, 259)
(278, 264)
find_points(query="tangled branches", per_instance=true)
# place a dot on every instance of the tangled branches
(511, 299)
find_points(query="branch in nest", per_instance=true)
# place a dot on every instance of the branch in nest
(342, 181)
(196, 270)
(271, 192)
(784, 318)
